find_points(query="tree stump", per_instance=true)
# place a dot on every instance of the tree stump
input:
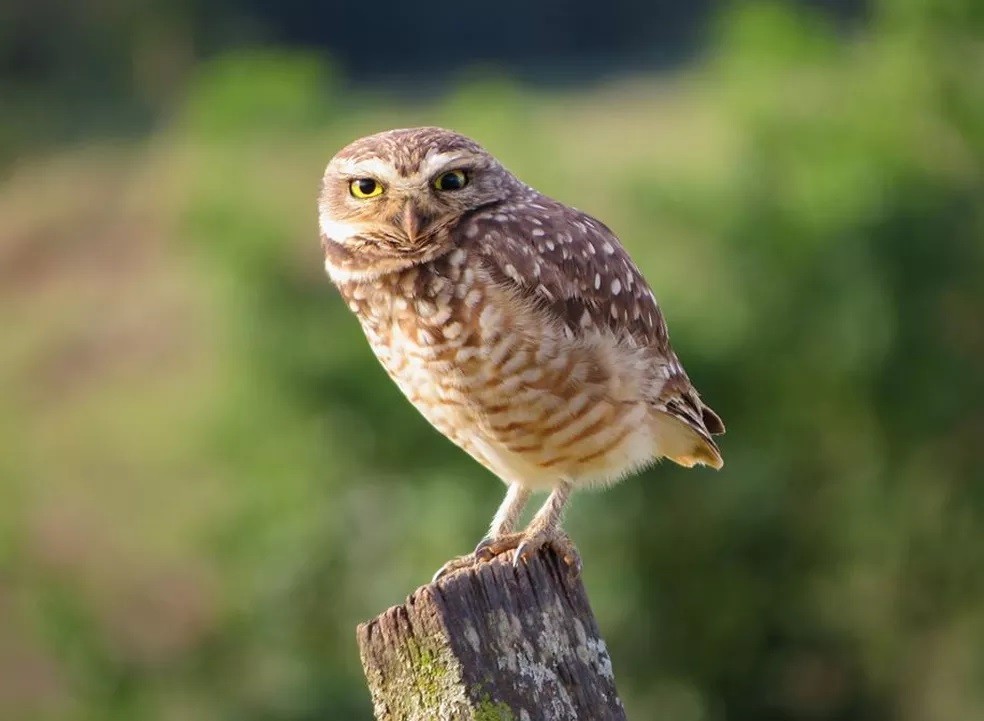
(492, 643)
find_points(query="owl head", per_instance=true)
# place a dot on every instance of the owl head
(390, 200)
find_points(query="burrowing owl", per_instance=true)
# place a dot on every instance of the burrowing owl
(518, 326)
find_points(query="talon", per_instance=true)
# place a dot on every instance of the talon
(490, 547)
(529, 545)
(521, 550)
(440, 573)
(455, 564)
(561, 545)
(484, 551)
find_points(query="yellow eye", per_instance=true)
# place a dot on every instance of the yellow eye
(451, 180)
(363, 188)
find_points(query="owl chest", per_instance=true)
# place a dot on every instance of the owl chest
(428, 330)
(425, 356)
(442, 357)
(525, 402)
(515, 391)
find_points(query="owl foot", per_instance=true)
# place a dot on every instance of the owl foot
(493, 546)
(559, 541)
(525, 544)
(529, 542)
(487, 549)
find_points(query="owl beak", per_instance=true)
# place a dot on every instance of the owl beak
(414, 222)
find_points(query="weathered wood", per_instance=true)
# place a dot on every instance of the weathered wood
(492, 643)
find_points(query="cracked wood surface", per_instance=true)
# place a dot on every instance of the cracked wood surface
(492, 643)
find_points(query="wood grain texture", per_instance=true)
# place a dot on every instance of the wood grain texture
(492, 643)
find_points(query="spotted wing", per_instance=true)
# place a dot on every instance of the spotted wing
(574, 267)
(572, 264)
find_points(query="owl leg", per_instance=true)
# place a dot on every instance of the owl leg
(544, 530)
(501, 537)
(509, 511)
(502, 526)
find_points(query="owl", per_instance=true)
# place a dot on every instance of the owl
(517, 325)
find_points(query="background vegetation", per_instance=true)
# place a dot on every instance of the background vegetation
(206, 481)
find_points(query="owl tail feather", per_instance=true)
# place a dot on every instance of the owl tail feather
(683, 443)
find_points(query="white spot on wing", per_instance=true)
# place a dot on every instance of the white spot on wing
(473, 298)
(457, 256)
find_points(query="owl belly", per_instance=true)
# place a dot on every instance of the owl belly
(529, 403)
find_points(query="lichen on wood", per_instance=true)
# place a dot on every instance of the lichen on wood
(492, 643)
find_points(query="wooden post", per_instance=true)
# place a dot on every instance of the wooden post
(492, 643)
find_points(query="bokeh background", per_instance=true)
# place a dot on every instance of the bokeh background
(206, 480)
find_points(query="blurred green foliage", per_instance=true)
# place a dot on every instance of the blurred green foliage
(208, 480)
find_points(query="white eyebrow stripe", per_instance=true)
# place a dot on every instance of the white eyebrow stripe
(384, 172)
(432, 163)
(369, 167)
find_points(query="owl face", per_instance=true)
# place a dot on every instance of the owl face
(387, 200)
